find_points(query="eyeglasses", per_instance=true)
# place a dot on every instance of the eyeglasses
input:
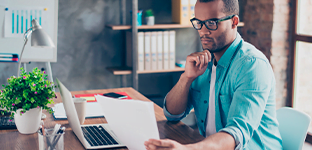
(211, 24)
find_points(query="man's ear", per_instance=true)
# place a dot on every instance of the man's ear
(235, 20)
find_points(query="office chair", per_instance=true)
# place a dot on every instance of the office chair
(293, 126)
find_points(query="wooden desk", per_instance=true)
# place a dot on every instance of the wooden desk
(12, 139)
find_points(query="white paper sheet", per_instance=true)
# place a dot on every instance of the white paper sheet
(132, 121)
(93, 110)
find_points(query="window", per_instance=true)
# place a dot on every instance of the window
(302, 59)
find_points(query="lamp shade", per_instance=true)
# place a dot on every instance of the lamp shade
(39, 38)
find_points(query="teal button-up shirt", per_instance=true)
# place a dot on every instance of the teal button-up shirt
(244, 98)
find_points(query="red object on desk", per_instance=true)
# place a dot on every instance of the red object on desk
(91, 98)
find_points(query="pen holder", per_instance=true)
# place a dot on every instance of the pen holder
(51, 141)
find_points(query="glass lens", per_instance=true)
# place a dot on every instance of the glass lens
(303, 82)
(304, 17)
(196, 24)
(211, 24)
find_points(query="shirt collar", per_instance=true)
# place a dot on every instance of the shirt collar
(229, 53)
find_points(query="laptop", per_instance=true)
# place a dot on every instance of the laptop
(91, 136)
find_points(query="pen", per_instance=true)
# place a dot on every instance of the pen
(59, 134)
(42, 130)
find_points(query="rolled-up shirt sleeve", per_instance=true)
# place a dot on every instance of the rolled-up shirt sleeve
(171, 117)
(237, 135)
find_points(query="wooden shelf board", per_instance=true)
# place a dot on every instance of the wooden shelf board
(127, 70)
(156, 26)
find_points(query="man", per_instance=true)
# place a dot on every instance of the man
(230, 85)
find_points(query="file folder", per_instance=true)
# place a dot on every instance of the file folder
(180, 12)
(192, 10)
(166, 50)
(141, 51)
(147, 50)
(140, 58)
(154, 50)
(172, 49)
(160, 50)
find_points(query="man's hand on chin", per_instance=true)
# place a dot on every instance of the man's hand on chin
(165, 144)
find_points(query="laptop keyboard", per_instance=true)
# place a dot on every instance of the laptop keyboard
(97, 136)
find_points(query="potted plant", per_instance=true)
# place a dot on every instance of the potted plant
(149, 17)
(25, 97)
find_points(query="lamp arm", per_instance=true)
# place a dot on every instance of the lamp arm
(27, 33)
(20, 61)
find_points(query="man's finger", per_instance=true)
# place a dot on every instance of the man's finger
(197, 61)
(202, 61)
(206, 59)
(193, 59)
(161, 143)
(209, 55)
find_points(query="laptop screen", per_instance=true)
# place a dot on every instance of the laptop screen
(70, 111)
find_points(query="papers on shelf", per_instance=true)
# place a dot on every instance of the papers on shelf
(132, 121)
(93, 111)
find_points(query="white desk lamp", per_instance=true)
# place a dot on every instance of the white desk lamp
(39, 38)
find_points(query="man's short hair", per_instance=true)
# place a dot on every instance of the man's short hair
(231, 7)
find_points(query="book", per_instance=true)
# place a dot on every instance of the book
(8, 57)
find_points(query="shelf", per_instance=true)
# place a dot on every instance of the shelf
(127, 70)
(157, 26)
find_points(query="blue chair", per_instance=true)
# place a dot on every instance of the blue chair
(293, 126)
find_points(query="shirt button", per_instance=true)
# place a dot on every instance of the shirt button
(202, 121)
(205, 102)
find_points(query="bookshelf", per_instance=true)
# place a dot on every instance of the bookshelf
(125, 71)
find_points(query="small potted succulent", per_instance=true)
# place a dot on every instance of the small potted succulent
(25, 97)
(149, 17)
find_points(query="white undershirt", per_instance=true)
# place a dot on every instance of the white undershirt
(211, 125)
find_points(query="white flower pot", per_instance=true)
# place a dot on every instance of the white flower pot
(150, 20)
(29, 122)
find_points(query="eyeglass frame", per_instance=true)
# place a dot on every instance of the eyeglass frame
(214, 19)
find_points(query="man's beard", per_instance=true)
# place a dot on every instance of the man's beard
(218, 47)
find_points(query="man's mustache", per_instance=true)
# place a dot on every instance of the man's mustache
(206, 37)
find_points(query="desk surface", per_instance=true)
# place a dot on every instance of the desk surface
(12, 139)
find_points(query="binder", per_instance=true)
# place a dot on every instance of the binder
(8, 57)
(172, 49)
(160, 50)
(147, 50)
(140, 58)
(166, 50)
(140, 51)
(180, 12)
(153, 51)
(192, 9)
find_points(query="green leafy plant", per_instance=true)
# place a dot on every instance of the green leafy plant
(30, 90)
(149, 13)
